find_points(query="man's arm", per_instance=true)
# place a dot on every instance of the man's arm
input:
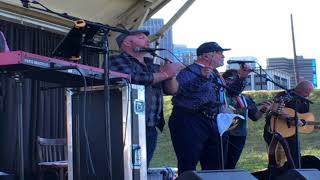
(254, 112)
(123, 65)
(239, 84)
(171, 86)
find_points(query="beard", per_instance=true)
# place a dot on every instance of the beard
(220, 64)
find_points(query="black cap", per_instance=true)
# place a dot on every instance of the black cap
(209, 47)
(121, 37)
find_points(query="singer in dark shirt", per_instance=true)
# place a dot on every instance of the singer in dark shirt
(156, 79)
(200, 97)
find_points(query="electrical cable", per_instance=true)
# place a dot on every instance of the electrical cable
(90, 167)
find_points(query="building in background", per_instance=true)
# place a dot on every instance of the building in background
(185, 54)
(256, 82)
(153, 25)
(306, 68)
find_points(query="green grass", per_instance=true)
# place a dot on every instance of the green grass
(254, 156)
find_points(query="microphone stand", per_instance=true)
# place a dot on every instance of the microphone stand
(295, 97)
(154, 54)
(18, 79)
(260, 70)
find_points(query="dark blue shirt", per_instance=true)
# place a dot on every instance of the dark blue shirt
(198, 93)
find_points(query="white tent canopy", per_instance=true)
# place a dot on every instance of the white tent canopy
(126, 14)
(121, 13)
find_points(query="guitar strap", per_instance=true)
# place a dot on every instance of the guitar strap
(245, 105)
(273, 167)
(241, 101)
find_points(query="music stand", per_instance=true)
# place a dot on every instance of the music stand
(81, 35)
(93, 36)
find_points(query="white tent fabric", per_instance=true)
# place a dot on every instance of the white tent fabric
(124, 13)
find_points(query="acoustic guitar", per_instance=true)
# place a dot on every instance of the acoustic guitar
(287, 129)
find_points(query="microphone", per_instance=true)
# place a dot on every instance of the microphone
(150, 50)
(239, 62)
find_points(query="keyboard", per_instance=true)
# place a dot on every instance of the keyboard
(53, 70)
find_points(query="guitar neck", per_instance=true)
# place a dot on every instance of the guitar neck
(316, 123)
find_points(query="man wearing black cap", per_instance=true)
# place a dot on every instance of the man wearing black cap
(198, 100)
(156, 79)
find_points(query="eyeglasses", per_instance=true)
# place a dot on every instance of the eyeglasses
(232, 78)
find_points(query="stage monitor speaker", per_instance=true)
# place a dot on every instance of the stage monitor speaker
(232, 174)
(310, 162)
(300, 174)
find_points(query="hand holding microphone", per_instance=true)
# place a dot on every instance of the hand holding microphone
(171, 69)
(244, 71)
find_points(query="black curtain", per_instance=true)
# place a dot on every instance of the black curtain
(43, 111)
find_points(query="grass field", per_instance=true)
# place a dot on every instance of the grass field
(254, 156)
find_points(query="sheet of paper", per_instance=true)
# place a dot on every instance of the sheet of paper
(224, 120)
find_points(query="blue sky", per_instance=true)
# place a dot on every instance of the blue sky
(259, 28)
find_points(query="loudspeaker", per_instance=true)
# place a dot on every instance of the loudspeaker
(261, 175)
(165, 173)
(300, 174)
(232, 174)
(310, 162)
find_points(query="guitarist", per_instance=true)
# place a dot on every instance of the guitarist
(304, 88)
(245, 106)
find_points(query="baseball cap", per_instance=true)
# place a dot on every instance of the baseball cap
(123, 36)
(209, 47)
